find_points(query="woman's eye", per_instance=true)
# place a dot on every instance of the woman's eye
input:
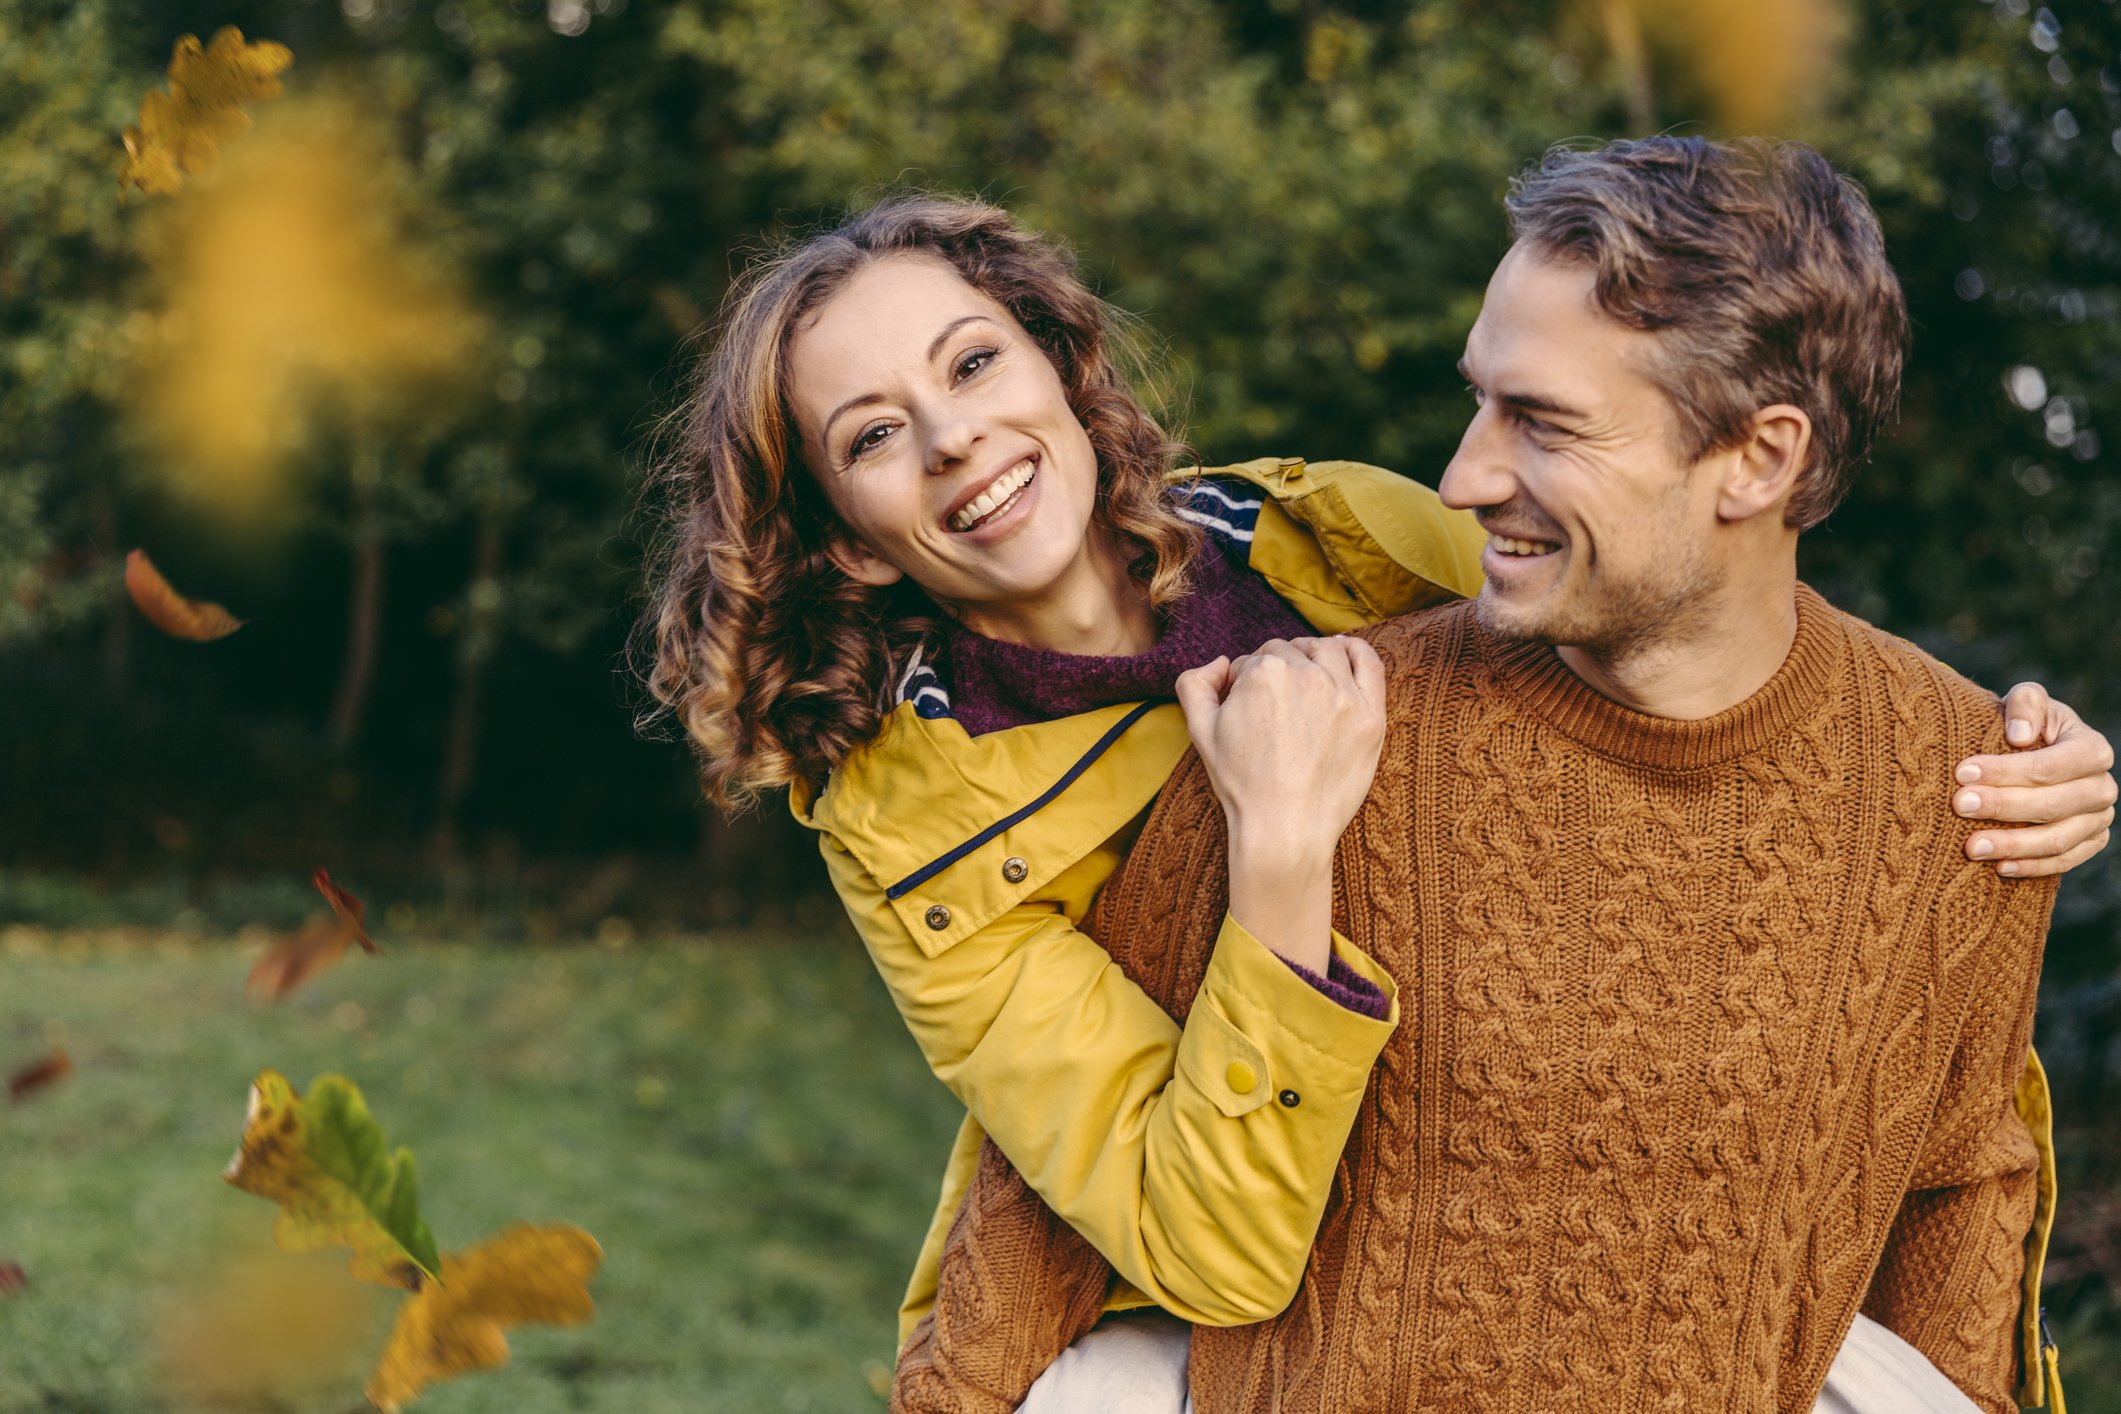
(973, 362)
(867, 438)
(1478, 397)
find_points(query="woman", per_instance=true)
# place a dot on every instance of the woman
(931, 570)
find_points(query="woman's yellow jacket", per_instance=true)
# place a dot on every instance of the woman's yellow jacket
(968, 863)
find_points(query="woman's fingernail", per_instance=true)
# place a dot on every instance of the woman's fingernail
(2020, 732)
(1969, 773)
(2008, 866)
(1967, 803)
(1981, 848)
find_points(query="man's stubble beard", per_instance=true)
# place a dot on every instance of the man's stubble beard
(1617, 623)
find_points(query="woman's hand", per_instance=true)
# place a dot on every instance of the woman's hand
(1290, 737)
(2064, 789)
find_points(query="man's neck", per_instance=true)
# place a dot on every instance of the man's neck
(1718, 660)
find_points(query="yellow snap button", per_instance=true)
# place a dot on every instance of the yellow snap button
(1240, 1077)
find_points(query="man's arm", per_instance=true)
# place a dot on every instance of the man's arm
(1949, 1280)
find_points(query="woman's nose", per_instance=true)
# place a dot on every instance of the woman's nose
(951, 442)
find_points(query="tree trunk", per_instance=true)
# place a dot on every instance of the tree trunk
(364, 620)
(481, 635)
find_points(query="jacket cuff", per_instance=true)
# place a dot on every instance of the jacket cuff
(1259, 1032)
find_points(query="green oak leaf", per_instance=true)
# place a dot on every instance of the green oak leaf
(321, 1158)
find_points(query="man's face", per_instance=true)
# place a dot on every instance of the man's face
(1601, 534)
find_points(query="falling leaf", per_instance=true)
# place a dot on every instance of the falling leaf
(13, 1280)
(170, 611)
(312, 948)
(321, 1158)
(526, 1274)
(261, 1331)
(38, 1074)
(181, 130)
(301, 955)
(346, 908)
(297, 304)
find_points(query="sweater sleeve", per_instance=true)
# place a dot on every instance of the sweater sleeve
(1949, 1279)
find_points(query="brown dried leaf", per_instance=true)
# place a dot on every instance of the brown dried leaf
(296, 958)
(314, 947)
(13, 1280)
(348, 909)
(39, 1074)
(170, 611)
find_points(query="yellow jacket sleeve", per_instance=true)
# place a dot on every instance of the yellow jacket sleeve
(1197, 1161)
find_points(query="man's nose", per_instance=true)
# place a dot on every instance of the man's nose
(1479, 473)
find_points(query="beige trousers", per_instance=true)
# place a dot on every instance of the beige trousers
(1135, 1363)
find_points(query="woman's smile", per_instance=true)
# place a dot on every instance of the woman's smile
(988, 504)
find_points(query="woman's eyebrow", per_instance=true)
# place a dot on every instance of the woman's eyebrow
(952, 327)
(935, 347)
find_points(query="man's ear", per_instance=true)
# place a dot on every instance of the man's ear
(1763, 469)
(859, 563)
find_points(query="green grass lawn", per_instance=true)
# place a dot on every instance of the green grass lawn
(742, 1123)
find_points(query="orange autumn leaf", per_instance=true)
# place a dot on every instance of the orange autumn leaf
(170, 611)
(296, 958)
(12, 1278)
(181, 130)
(314, 947)
(39, 1074)
(346, 908)
(458, 1325)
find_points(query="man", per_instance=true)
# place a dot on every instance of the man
(1711, 1029)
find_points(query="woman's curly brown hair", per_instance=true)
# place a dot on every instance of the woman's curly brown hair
(777, 664)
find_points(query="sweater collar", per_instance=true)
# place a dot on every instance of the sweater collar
(1541, 684)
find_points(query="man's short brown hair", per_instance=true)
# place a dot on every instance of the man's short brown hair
(1761, 269)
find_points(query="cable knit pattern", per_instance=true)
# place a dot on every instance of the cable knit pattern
(1709, 1035)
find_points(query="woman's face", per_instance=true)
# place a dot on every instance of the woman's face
(943, 438)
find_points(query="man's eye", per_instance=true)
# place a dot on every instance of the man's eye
(973, 362)
(1479, 398)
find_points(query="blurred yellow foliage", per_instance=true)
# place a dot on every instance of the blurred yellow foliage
(291, 297)
(528, 1273)
(260, 1330)
(181, 130)
(1762, 64)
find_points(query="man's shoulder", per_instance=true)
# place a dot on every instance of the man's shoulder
(1420, 641)
(1924, 697)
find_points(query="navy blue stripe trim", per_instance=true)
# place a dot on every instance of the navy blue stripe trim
(928, 871)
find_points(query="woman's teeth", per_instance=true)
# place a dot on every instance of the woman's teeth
(1503, 544)
(1000, 494)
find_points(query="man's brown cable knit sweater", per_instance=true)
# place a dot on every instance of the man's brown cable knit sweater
(1710, 1034)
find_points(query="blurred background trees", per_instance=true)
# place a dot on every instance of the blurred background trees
(519, 212)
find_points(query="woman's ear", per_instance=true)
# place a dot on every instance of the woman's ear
(859, 563)
(1764, 468)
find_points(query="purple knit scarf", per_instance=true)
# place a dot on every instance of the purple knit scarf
(1230, 611)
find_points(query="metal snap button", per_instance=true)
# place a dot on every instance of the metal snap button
(938, 917)
(1014, 870)
(1290, 1099)
(1240, 1077)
